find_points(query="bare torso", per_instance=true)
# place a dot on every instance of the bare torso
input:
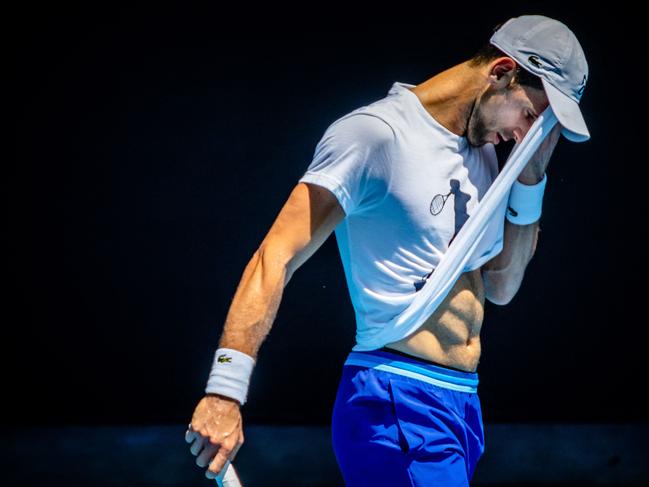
(451, 335)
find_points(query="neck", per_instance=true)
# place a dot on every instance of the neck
(450, 95)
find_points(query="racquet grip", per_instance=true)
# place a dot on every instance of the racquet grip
(228, 476)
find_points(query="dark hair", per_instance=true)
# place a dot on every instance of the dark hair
(489, 52)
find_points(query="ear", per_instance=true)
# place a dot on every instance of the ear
(502, 72)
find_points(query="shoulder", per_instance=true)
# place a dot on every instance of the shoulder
(362, 127)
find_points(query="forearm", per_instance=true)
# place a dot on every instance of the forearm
(519, 245)
(255, 303)
(504, 273)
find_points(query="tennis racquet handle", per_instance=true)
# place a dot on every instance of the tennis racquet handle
(228, 476)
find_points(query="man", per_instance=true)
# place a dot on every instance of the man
(396, 180)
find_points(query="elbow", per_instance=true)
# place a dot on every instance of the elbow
(501, 299)
(499, 291)
(275, 262)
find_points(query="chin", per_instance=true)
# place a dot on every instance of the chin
(479, 144)
(472, 142)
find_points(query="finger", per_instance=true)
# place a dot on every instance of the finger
(197, 446)
(211, 472)
(211, 475)
(190, 434)
(219, 461)
(204, 459)
(553, 138)
(556, 131)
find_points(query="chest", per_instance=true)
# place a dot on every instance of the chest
(437, 189)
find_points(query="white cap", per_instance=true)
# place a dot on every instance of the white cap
(548, 49)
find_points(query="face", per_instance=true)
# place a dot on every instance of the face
(504, 114)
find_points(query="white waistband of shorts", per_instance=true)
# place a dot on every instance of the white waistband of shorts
(432, 374)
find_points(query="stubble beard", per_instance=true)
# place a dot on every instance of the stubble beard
(477, 131)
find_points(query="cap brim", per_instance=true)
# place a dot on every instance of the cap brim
(568, 113)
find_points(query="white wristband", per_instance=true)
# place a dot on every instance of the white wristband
(230, 374)
(525, 202)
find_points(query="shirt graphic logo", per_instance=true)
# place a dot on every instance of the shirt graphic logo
(460, 203)
(437, 205)
(460, 212)
(438, 202)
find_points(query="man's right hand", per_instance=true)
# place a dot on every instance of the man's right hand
(215, 433)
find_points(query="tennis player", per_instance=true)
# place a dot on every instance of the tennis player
(396, 180)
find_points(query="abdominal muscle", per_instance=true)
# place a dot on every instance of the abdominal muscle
(451, 335)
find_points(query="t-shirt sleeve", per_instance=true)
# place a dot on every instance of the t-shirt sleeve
(352, 160)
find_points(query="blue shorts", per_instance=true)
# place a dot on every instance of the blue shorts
(402, 421)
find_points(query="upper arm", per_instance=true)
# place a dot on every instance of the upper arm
(307, 218)
(348, 171)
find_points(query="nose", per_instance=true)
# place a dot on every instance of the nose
(527, 125)
(519, 133)
(521, 130)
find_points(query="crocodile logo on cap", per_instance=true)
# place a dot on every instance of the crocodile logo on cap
(535, 61)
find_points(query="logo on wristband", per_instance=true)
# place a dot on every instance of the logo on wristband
(223, 358)
(512, 211)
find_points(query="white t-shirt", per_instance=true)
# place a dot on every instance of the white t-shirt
(385, 163)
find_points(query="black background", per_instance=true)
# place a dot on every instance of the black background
(154, 147)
